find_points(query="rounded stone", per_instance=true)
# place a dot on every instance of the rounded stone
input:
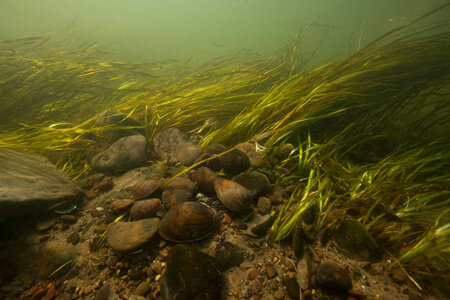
(187, 152)
(129, 236)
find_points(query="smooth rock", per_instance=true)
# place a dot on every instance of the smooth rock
(333, 277)
(31, 185)
(144, 209)
(228, 255)
(142, 289)
(187, 152)
(103, 292)
(283, 151)
(264, 205)
(190, 275)
(357, 241)
(125, 154)
(129, 236)
(165, 143)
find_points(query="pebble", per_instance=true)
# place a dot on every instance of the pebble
(252, 274)
(398, 276)
(71, 219)
(103, 292)
(292, 288)
(135, 273)
(129, 236)
(270, 271)
(143, 289)
(73, 238)
(264, 205)
(226, 219)
(279, 293)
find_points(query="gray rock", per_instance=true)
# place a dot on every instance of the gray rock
(357, 241)
(187, 152)
(125, 154)
(30, 184)
(165, 143)
(129, 236)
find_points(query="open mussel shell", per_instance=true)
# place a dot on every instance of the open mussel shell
(233, 196)
(188, 222)
(145, 188)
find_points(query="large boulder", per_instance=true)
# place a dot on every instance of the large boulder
(30, 184)
(125, 154)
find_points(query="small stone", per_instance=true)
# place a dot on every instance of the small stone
(71, 219)
(73, 238)
(252, 274)
(135, 273)
(90, 194)
(228, 255)
(270, 271)
(264, 205)
(142, 289)
(398, 276)
(103, 292)
(226, 219)
(279, 293)
(89, 289)
(158, 277)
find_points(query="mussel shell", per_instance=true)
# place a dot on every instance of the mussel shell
(173, 197)
(144, 209)
(145, 188)
(233, 196)
(204, 180)
(188, 222)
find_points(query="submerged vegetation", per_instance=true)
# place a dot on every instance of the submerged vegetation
(371, 130)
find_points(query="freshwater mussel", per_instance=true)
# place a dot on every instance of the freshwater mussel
(204, 180)
(233, 196)
(188, 222)
(145, 188)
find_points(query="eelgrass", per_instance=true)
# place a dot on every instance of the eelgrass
(370, 129)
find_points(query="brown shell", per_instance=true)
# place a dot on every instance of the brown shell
(232, 195)
(145, 188)
(144, 209)
(188, 222)
(204, 180)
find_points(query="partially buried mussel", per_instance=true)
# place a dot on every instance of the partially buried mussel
(188, 222)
